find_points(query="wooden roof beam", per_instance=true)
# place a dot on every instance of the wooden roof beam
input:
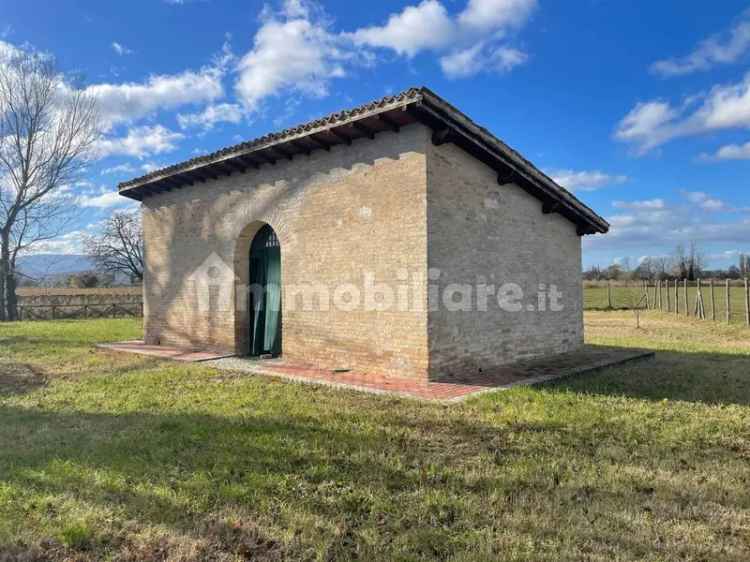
(319, 142)
(248, 161)
(363, 129)
(237, 164)
(265, 157)
(388, 122)
(443, 135)
(223, 168)
(342, 137)
(283, 152)
(550, 207)
(505, 177)
(302, 146)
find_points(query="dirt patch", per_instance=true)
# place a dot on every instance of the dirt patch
(19, 378)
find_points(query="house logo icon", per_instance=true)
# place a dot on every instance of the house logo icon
(212, 284)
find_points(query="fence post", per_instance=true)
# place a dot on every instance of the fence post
(713, 301)
(609, 294)
(747, 303)
(659, 288)
(677, 297)
(685, 294)
(729, 307)
(697, 309)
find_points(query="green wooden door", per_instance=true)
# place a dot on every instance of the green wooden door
(265, 293)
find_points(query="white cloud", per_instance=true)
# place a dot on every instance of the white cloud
(121, 49)
(149, 167)
(128, 102)
(416, 28)
(706, 202)
(295, 50)
(491, 15)
(585, 180)
(68, 243)
(139, 142)
(119, 169)
(710, 52)
(292, 51)
(211, 115)
(644, 204)
(730, 152)
(7, 51)
(471, 40)
(660, 226)
(468, 62)
(653, 123)
(105, 198)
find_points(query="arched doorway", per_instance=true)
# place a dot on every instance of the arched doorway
(265, 294)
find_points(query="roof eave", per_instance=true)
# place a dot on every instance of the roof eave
(447, 123)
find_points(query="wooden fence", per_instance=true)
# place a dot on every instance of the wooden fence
(719, 300)
(53, 303)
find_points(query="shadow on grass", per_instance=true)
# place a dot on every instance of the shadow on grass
(406, 477)
(708, 378)
(19, 378)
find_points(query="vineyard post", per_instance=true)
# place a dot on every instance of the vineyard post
(669, 301)
(685, 294)
(697, 309)
(658, 288)
(726, 297)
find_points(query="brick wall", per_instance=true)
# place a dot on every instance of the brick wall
(482, 232)
(366, 208)
(338, 214)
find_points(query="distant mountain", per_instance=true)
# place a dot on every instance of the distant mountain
(53, 265)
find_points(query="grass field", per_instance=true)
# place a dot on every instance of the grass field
(118, 457)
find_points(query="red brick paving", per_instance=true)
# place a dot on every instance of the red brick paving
(588, 359)
(162, 352)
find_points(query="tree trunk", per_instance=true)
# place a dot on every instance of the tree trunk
(2, 295)
(11, 299)
(5, 275)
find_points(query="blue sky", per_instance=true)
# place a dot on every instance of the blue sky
(641, 108)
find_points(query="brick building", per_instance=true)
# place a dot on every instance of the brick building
(398, 238)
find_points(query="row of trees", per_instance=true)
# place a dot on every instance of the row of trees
(48, 131)
(682, 264)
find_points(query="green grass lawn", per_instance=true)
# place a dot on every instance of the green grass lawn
(106, 456)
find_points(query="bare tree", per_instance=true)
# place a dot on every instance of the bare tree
(47, 130)
(119, 246)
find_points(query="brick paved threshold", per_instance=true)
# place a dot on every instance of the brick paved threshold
(589, 359)
(162, 351)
